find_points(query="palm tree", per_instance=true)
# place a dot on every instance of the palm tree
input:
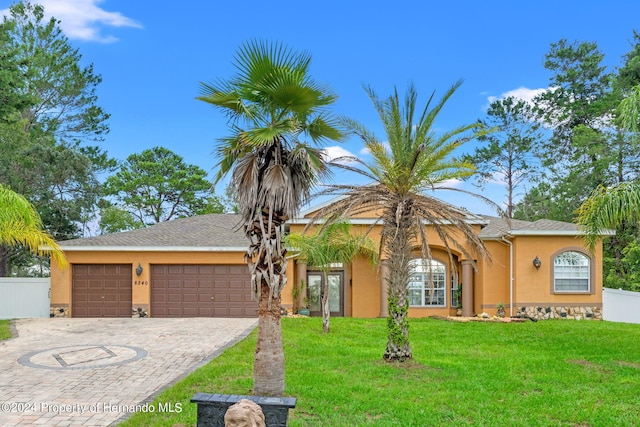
(416, 159)
(272, 103)
(333, 244)
(608, 208)
(611, 207)
(20, 225)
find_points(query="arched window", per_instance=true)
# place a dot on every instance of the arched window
(427, 283)
(571, 272)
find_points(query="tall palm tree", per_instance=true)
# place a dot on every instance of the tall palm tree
(611, 207)
(20, 225)
(333, 244)
(416, 159)
(272, 103)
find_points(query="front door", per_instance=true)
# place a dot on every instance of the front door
(336, 291)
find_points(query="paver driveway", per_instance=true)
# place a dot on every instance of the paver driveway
(88, 372)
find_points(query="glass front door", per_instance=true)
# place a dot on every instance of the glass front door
(314, 292)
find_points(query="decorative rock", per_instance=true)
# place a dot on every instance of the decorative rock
(574, 313)
(140, 312)
(61, 311)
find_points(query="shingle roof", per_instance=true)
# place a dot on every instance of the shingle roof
(203, 231)
(220, 231)
(499, 227)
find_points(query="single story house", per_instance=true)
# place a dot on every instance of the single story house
(194, 267)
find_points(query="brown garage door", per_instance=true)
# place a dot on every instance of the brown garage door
(101, 290)
(201, 291)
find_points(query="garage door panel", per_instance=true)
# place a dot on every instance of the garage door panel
(238, 298)
(190, 270)
(206, 270)
(189, 298)
(94, 283)
(196, 300)
(190, 283)
(174, 298)
(237, 270)
(204, 298)
(101, 290)
(236, 285)
(222, 298)
(95, 270)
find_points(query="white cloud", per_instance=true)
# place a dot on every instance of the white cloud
(84, 19)
(522, 92)
(449, 183)
(334, 152)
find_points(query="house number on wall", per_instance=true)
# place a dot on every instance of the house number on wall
(141, 282)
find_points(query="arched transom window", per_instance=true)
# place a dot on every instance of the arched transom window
(571, 272)
(427, 283)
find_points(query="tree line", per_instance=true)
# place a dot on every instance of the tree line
(52, 134)
(569, 141)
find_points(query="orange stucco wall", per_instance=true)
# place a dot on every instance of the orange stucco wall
(492, 280)
(141, 294)
(365, 287)
(362, 281)
(535, 287)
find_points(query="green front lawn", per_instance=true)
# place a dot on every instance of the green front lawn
(4, 330)
(550, 373)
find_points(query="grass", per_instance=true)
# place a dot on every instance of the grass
(550, 373)
(5, 332)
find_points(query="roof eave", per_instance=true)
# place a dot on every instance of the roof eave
(369, 221)
(154, 248)
(557, 233)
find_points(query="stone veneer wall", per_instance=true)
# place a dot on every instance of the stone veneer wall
(576, 313)
(61, 310)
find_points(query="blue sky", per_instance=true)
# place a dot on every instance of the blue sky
(152, 56)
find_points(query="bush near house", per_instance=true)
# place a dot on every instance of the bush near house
(552, 373)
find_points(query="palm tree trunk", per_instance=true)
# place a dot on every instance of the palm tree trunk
(268, 364)
(267, 263)
(326, 315)
(4, 260)
(399, 252)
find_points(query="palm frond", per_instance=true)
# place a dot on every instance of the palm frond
(21, 225)
(607, 208)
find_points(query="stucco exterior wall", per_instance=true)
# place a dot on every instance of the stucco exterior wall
(141, 291)
(492, 284)
(362, 296)
(534, 287)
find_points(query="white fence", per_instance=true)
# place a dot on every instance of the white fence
(620, 306)
(24, 297)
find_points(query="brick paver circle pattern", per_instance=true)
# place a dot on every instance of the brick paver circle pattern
(82, 356)
(94, 372)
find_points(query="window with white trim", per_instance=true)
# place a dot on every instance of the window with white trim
(571, 272)
(427, 283)
(454, 290)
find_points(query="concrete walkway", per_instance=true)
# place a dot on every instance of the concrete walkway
(88, 372)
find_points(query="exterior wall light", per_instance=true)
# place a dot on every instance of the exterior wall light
(138, 270)
(537, 263)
